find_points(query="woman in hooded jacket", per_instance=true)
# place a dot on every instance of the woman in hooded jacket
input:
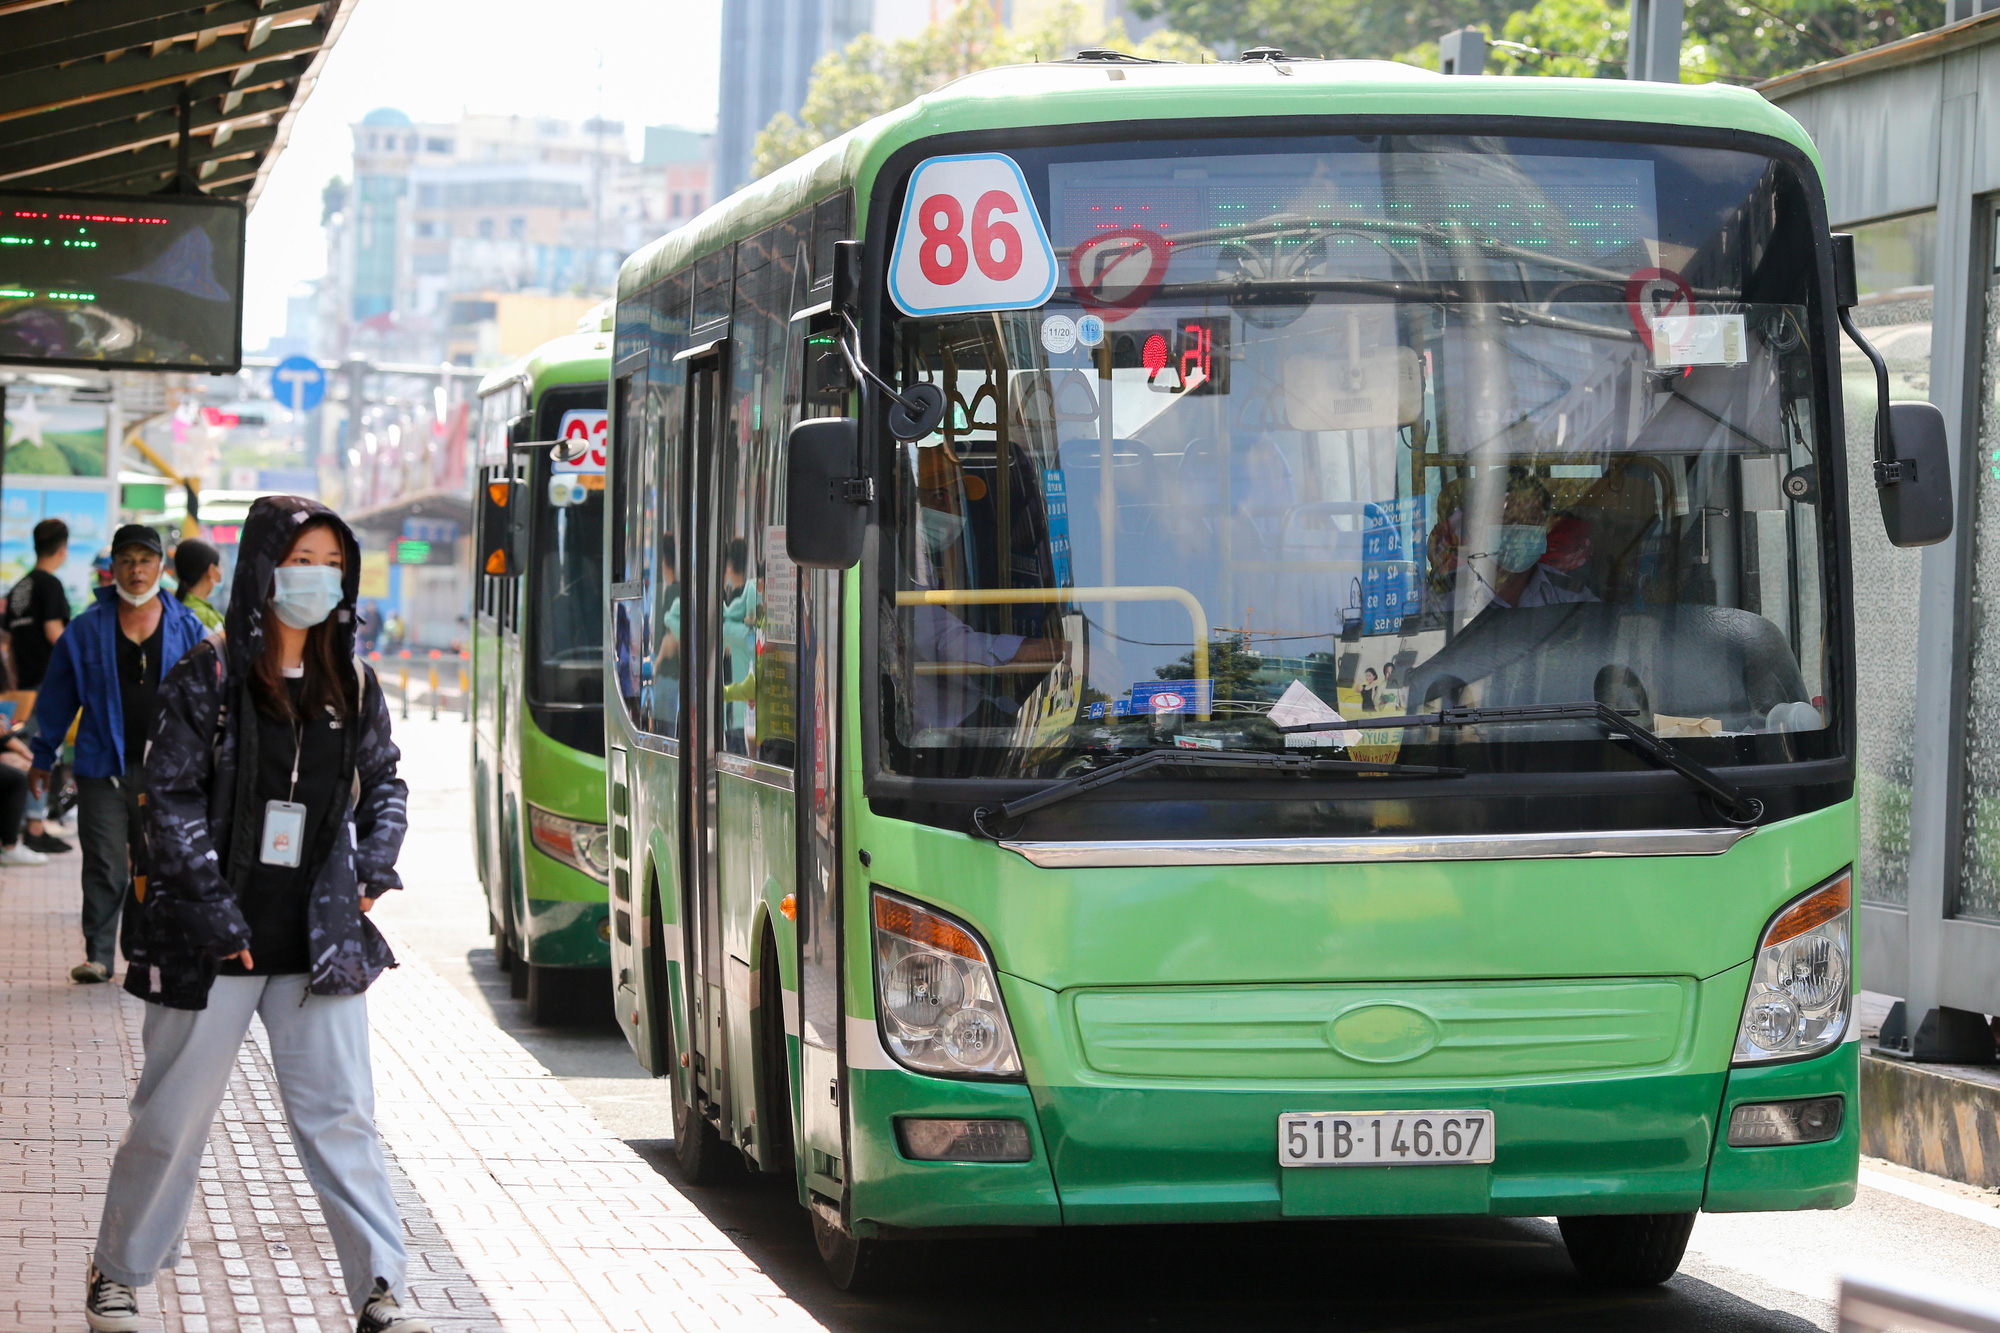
(273, 820)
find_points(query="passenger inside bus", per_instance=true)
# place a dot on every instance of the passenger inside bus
(1517, 570)
(940, 637)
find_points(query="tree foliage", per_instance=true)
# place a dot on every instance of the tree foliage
(871, 76)
(1738, 40)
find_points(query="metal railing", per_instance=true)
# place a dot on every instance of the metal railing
(1874, 1303)
(434, 682)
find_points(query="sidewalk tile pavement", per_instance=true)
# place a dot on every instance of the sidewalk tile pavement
(522, 1214)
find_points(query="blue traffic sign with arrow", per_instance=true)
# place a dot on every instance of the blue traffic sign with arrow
(298, 383)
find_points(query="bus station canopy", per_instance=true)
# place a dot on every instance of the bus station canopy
(120, 96)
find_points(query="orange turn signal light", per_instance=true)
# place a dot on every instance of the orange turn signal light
(789, 905)
(499, 491)
(900, 918)
(496, 562)
(1815, 909)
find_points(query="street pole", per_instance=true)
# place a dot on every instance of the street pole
(1653, 42)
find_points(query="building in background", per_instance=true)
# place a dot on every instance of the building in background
(768, 50)
(474, 240)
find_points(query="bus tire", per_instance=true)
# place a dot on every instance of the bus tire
(863, 1265)
(1630, 1250)
(774, 1144)
(517, 976)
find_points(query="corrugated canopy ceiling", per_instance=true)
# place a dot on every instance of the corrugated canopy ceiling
(117, 96)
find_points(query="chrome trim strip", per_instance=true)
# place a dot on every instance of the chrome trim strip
(1361, 851)
(767, 775)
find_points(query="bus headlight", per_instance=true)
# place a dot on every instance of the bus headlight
(1800, 996)
(939, 995)
(574, 842)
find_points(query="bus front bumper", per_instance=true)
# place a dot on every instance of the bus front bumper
(1127, 1151)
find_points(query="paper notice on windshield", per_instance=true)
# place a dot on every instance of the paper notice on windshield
(1698, 340)
(1298, 707)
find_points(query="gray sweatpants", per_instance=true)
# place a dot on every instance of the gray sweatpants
(320, 1050)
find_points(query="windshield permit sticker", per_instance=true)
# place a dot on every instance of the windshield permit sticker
(1151, 698)
(1699, 340)
(1299, 707)
(1059, 334)
(970, 240)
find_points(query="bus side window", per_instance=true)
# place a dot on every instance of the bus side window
(758, 593)
(631, 623)
(666, 419)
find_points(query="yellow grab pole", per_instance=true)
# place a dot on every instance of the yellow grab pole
(1136, 593)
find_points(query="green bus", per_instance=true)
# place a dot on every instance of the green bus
(537, 680)
(1257, 640)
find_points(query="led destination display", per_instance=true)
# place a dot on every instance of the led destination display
(153, 282)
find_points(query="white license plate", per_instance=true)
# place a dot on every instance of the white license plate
(1385, 1138)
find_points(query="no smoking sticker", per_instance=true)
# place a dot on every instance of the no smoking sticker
(970, 239)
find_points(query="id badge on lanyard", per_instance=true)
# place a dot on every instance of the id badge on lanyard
(285, 821)
(284, 833)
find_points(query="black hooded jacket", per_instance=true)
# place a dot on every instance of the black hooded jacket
(200, 793)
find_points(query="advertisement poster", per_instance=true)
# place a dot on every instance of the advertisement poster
(50, 436)
(88, 513)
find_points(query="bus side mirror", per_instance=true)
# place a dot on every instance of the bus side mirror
(846, 294)
(496, 528)
(1914, 483)
(1912, 457)
(826, 503)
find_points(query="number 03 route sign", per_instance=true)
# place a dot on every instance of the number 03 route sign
(970, 239)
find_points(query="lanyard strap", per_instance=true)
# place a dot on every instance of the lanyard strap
(298, 744)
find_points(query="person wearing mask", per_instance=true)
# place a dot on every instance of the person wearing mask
(198, 569)
(37, 614)
(274, 818)
(109, 664)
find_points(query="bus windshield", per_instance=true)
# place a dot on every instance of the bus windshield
(1362, 427)
(566, 628)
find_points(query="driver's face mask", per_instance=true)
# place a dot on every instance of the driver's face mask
(940, 528)
(1518, 546)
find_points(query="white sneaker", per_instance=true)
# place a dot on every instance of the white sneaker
(17, 855)
(382, 1314)
(110, 1307)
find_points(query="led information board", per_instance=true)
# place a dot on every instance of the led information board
(152, 282)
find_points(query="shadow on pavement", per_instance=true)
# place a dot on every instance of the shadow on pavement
(1406, 1275)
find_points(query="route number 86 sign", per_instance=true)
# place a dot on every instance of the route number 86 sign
(970, 239)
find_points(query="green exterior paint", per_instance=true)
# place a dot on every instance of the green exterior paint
(555, 912)
(1168, 1016)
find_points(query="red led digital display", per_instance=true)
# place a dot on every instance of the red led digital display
(85, 282)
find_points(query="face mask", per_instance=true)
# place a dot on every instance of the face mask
(939, 528)
(1520, 546)
(138, 598)
(306, 594)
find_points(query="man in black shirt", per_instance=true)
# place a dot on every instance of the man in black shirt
(37, 614)
(107, 667)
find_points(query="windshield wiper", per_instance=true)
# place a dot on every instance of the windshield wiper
(1736, 805)
(1301, 764)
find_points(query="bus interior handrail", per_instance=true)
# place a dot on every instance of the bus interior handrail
(1045, 596)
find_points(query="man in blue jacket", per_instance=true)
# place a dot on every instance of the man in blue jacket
(109, 664)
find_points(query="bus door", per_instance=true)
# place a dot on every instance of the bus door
(520, 471)
(824, 391)
(702, 692)
(823, 1153)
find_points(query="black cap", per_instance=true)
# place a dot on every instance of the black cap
(138, 534)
